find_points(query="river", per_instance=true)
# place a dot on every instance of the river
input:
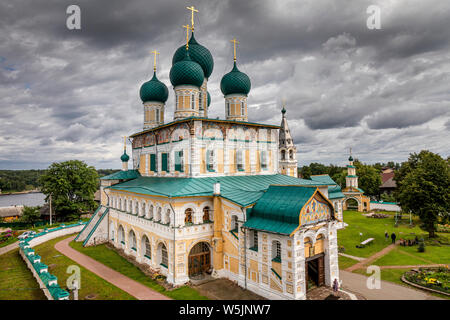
(24, 199)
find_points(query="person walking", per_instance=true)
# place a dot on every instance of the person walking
(386, 235)
(393, 236)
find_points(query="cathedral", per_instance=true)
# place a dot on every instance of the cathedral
(218, 197)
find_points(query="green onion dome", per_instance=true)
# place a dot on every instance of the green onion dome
(209, 98)
(235, 81)
(350, 158)
(124, 157)
(186, 71)
(154, 90)
(198, 53)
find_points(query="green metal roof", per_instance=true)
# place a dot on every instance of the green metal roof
(278, 209)
(198, 53)
(352, 176)
(323, 178)
(335, 192)
(350, 166)
(235, 81)
(242, 190)
(186, 71)
(154, 90)
(122, 175)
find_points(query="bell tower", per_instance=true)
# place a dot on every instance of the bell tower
(287, 149)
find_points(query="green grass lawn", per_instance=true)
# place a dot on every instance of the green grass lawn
(112, 259)
(91, 284)
(345, 262)
(16, 280)
(373, 228)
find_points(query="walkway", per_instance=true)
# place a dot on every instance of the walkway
(9, 247)
(388, 290)
(370, 259)
(128, 285)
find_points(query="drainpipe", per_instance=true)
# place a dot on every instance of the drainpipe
(173, 270)
(245, 248)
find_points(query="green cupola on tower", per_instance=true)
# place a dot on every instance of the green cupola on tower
(154, 90)
(198, 53)
(209, 99)
(186, 72)
(124, 157)
(235, 82)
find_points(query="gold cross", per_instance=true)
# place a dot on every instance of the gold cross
(154, 59)
(192, 15)
(187, 27)
(234, 45)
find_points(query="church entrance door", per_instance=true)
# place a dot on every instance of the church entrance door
(315, 271)
(199, 259)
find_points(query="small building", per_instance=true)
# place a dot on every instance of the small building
(388, 184)
(354, 196)
(12, 213)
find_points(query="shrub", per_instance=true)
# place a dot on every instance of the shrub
(421, 247)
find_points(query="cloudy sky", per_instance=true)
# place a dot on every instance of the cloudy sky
(72, 94)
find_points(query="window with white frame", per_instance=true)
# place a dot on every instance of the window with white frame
(254, 240)
(228, 108)
(132, 240)
(243, 108)
(193, 101)
(263, 159)
(240, 160)
(146, 248)
(157, 115)
(210, 160)
(276, 251)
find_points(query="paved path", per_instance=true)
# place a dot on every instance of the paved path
(388, 291)
(370, 259)
(128, 285)
(351, 257)
(9, 247)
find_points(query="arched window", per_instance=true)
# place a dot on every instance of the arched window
(120, 204)
(158, 214)
(283, 155)
(188, 216)
(144, 207)
(146, 248)
(132, 240)
(234, 223)
(210, 160)
(125, 208)
(291, 154)
(136, 207)
(276, 251)
(121, 235)
(163, 255)
(242, 108)
(193, 101)
(206, 214)
(150, 212)
(167, 217)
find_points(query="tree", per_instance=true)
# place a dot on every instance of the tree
(72, 185)
(30, 215)
(369, 178)
(423, 188)
(305, 172)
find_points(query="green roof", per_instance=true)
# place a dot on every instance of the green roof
(198, 53)
(235, 81)
(323, 178)
(209, 98)
(122, 175)
(242, 190)
(352, 176)
(124, 157)
(335, 192)
(154, 90)
(278, 209)
(186, 72)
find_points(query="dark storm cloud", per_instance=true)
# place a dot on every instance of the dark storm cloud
(75, 93)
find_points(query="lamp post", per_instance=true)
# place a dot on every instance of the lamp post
(50, 209)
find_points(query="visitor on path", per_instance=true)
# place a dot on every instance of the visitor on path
(393, 236)
(386, 235)
(335, 285)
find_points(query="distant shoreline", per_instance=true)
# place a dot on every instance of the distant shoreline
(19, 192)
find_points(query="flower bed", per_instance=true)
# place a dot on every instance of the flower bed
(433, 278)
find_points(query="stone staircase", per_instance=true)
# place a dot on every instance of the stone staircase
(88, 230)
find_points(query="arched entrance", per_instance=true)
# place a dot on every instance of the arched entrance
(199, 259)
(351, 204)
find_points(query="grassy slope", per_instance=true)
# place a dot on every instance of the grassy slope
(16, 280)
(90, 283)
(113, 260)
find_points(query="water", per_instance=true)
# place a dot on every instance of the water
(25, 199)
